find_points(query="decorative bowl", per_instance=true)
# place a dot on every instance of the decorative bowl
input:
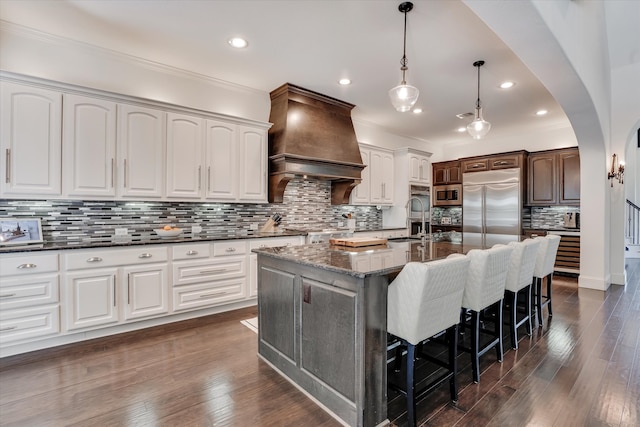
(174, 232)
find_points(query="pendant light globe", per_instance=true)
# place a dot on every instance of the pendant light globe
(479, 127)
(404, 96)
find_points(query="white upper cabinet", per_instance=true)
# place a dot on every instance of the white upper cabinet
(185, 136)
(221, 157)
(141, 148)
(89, 147)
(377, 186)
(419, 168)
(30, 139)
(253, 164)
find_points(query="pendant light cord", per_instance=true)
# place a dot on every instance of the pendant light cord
(403, 61)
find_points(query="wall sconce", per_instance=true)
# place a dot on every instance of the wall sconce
(617, 174)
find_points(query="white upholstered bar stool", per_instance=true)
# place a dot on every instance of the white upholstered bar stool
(544, 270)
(424, 300)
(484, 292)
(518, 282)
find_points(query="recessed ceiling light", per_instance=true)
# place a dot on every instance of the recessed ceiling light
(461, 129)
(344, 82)
(462, 116)
(507, 85)
(541, 112)
(238, 42)
(417, 110)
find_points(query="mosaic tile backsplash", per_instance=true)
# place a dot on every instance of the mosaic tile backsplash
(307, 205)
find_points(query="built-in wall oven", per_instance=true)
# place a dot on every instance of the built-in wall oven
(447, 195)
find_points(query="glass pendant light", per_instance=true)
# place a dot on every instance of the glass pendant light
(404, 96)
(479, 127)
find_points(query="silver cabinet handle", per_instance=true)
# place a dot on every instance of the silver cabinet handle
(128, 289)
(192, 252)
(199, 177)
(113, 170)
(7, 173)
(263, 246)
(209, 178)
(476, 165)
(9, 328)
(94, 259)
(7, 295)
(145, 255)
(27, 265)
(215, 270)
(212, 295)
(124, 172)
(500, 163)
(231, 250)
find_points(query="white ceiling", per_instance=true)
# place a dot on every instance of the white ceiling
(313, 43)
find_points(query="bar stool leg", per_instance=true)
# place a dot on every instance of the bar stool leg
(527, 305)
(513, 333)
(549, 293)
(452, 338)
(499, 349)
(411, 398)
(475, 345)
(538, 292)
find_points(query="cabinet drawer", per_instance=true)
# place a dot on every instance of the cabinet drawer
(230, 247)
(191, 251)
(38, 290)
(475, 165)
(18, 265)
(99, 258)
(185, 272)
(29, 323)
(208, 294)
(504, 162)
(273, 243)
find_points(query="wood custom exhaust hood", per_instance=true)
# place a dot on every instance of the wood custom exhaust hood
(312, 136)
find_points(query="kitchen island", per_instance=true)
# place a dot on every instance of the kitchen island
(322, 317)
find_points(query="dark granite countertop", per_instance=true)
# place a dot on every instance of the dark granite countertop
(145, 239)
(367, 261)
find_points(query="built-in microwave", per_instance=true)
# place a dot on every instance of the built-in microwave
(447, 195)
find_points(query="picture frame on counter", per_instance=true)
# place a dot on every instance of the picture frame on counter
(18, 231)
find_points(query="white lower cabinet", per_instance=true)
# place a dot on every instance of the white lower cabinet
(103, 287)
(219, 277)
(29, 297)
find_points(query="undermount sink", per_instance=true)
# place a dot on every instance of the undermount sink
(404, 239)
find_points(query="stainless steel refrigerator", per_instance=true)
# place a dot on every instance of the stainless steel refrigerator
(492, 202)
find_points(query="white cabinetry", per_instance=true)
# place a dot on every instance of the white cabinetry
(185, 138)
(222, 160)
(29, 297)
(88, 147)
(103, 287)
(419, 167)
(377, 186)
(141, 150)
(253, 164)
(209, 276)
(30, 140)
(253, 258)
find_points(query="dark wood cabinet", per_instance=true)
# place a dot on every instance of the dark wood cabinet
(515, 159)
(554, 178)
(446, 173)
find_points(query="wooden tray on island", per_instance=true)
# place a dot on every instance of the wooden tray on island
(357, 242)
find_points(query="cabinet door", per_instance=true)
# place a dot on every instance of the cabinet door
(360, 194)
(91, 299)
(419, 169)
(376, 163)
(454, 173)
(89, 146)
(30, 139)
(386, 171)
(542, 180)
(147, 291)
(184, 156)
(569, 177)
(440, 174)
(253, 164)
(141, 146)
(222, 161)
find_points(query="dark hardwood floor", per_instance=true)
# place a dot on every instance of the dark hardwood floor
(581, 369)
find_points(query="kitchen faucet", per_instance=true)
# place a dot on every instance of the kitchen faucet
(422, 234)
